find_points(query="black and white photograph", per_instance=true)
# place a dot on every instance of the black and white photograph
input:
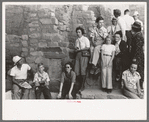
(74, 54)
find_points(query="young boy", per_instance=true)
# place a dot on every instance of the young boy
(41, 80)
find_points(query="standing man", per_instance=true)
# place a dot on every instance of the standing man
(121, 23)
(129, 22)
(136, 18)
(112, 29)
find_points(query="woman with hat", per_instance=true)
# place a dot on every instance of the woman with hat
(19, 73)
(137, 52)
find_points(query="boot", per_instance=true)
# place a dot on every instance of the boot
(83, 82)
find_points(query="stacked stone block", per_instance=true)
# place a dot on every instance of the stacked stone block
(47, 34)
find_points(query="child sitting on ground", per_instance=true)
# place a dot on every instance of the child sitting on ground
(41, 80)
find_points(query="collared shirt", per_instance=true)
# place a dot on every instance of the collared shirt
(113, 29)
(128, 21)
(130, 78)
(41, 77)
(20, 73)
(140, 22)
(82, 43)
(99, 35)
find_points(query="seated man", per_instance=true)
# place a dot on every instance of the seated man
(97, 38)
(20, 79)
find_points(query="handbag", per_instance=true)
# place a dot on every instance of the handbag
(85, 53)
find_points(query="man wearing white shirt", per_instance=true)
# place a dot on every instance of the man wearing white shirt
(129, 22)
(112, 29)
(20, 78)
(121, 22)
(136, 18)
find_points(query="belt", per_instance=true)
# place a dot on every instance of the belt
(107, 55)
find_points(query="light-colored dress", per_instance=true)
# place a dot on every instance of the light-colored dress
(106, 72)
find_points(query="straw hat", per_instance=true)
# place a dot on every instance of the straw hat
(16, 59)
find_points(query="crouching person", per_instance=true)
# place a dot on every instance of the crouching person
(41, 80)
(20, 82)
(67, 86)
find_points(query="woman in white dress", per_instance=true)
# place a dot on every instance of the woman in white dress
(107, 56)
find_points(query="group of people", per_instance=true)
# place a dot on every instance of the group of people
(118, 48)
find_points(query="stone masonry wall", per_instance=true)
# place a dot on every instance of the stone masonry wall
(47, 33)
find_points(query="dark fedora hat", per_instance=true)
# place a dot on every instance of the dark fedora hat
(136, 25)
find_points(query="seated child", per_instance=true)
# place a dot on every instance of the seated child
(41, 80)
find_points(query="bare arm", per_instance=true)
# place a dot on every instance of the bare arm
(138, 87)
(71, 88)
(61, 86)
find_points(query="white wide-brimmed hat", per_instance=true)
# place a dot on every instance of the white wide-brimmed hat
(135, 13)
(16, 59)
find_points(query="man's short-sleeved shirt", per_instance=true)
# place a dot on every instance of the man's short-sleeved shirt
(20, 73)
(128, 21)
(100, 34)
(131, 79)
(121, 23)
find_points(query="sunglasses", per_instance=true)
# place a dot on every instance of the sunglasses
(67, 67)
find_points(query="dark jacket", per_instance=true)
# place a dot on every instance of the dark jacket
(124, 55)
(123, 49)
